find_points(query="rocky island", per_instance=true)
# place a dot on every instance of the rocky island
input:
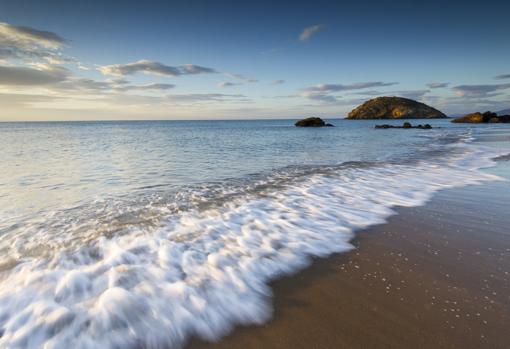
(479, 118)
(312, 122)
(394, 108)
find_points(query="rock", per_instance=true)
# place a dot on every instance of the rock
(504, 118)
(478, 118)
(487, 116)
(312, 122)
(471, 118)
(405, 125)
(394, 108)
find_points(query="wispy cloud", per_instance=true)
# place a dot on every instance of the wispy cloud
(309, 32)
(277, 82)
(29, 43)
(241, 77)
(24, 76)
(479, 91)
(195, 69)
(206, 97)
(323, 92)
(24, 100)
(413, 94)
(502, 77)
(227, 84)
(147, 87)
(154, 68)
(320, 97)
(437, 84)
(341, 87)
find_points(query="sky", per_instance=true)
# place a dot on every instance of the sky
(128, 60)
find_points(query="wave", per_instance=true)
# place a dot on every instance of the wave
(204, 269)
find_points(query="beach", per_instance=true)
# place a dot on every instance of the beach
(435, 276)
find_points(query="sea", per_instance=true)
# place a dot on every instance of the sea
(143, 234)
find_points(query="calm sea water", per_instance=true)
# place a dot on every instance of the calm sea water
(142, 233)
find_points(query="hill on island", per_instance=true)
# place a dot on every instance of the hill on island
(394, 108)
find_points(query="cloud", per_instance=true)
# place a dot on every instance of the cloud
(502, 77)
(29, 43)
(81, 84)
(277, 82)
(437, 84)
(29, 36)
(479, 91)
(322, 92)
(310, 31)
(154, 68)
(460, 106)
(206, 97)
(148, 87)
(412, 94)
(320, 97)
(368, 93)
(196, 69)
(227, 84)
(340, 87)
(61, 80)
(24, 76)
(24, 100)
(241, 77)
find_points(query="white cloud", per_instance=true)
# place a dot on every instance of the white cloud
(479, 91)
(24, 76)
(155, 68)
(502, 77)
(413, 94)
(227, 84)
(437, 84)
(341, 87)
(310, 31)
(241, 77)
(29, 43)
(321, 97)
(147, 87)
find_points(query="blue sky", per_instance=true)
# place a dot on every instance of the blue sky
(61, 60)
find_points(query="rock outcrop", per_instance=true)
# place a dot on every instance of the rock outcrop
(312, 122)
(479, 118)
(394, 108)
(406, 125)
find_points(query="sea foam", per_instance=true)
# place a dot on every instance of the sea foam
(207, 270)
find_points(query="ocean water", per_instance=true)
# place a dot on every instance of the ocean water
(142, 234)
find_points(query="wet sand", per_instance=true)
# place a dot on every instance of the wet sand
(435, 276)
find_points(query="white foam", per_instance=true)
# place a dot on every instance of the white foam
(206, 271)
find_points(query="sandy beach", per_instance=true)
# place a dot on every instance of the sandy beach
(435, 276)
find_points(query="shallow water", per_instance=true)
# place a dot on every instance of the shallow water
(140, 234)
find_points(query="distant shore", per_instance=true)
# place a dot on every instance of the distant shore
(435, 276)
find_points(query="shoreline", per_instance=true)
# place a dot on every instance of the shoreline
(434, 276)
